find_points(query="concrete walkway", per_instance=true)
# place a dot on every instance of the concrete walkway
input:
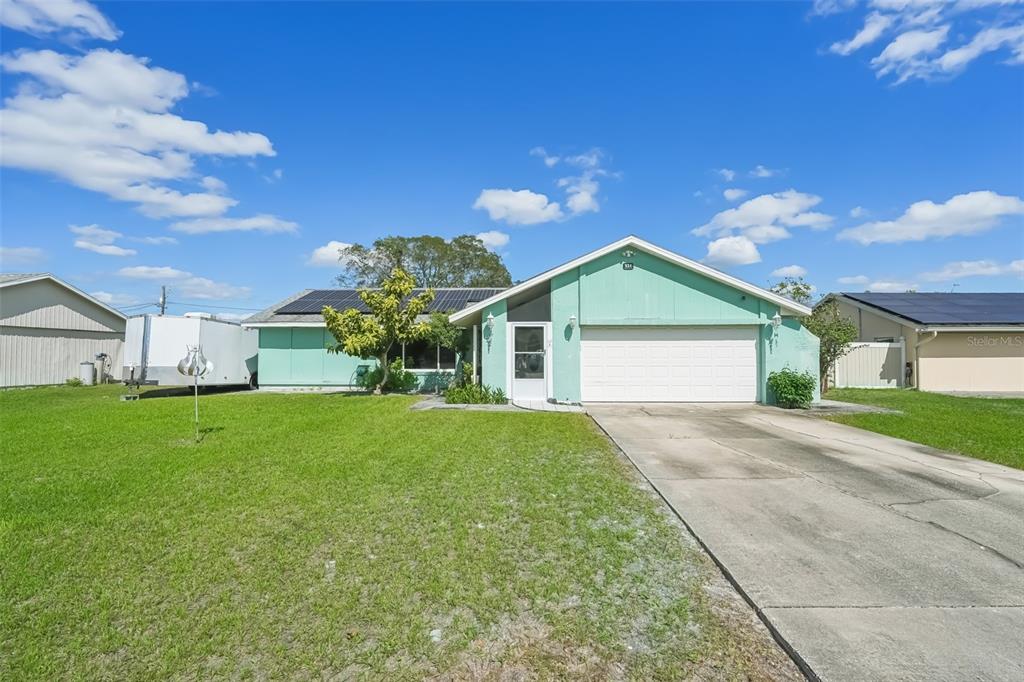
(870, 557)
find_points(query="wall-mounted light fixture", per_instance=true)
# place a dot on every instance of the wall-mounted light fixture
(776, 321)
(572, 322)
(490, 320)
(628, 253)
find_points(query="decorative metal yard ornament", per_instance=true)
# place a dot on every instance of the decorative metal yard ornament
(195, 365)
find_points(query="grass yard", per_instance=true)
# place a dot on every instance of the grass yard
(986, 428)
(339, 537)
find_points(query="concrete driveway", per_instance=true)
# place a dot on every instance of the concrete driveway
(871, 557)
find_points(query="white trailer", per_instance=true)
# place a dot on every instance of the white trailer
(154, 344)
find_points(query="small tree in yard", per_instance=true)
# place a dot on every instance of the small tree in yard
(795, 289)
(835, 333)
(392, 320)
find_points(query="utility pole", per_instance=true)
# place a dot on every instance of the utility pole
(163, 299)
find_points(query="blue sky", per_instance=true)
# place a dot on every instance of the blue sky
(214, 147)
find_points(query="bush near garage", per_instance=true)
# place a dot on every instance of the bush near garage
(792, 388)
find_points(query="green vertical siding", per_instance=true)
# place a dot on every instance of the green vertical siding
(565, 346)
(493, 351)
(297, 356)
(657, 292)
(792, 346)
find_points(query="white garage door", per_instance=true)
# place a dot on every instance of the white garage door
(669, 364)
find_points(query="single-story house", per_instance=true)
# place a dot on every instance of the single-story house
(293, 341)
(630, 321)
(48, 327)
(946, 341)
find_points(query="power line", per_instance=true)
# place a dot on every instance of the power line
(207, 305)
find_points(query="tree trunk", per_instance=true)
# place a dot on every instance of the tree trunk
(383, 360)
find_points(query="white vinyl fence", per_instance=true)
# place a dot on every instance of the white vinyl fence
(871, 365)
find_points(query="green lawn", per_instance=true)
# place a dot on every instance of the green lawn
(332, 537)
(986, 428)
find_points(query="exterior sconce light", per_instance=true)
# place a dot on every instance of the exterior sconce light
(776, 321)
(628, 253)
(572, 322)
(490, 320)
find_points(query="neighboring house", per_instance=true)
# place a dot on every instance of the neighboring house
(293, 340)
(48, 327)
(945, 341)
(634, 322)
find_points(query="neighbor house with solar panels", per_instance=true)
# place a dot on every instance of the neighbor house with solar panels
(950, 342)
(630, 321)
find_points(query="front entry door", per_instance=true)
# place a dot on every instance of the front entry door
(529, 362)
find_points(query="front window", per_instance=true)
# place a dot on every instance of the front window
(422, 355)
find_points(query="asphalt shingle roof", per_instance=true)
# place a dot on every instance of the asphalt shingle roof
(950, 309)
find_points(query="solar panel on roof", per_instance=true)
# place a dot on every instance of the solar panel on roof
(445, 300)
(947, 308)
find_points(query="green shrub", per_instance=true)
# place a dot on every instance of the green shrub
(792, 388)
(73, 381)
(475, 394)
(400, 380)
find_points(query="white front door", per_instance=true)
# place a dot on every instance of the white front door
(669, 364)
(529, 361)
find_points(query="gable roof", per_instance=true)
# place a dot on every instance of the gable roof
(784, 303)
(946, 309)
(303, 308)
(13, 279)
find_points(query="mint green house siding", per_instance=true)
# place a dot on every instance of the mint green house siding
(297, 356)
(650, 292)
(565, 342)
(656, 292)
(493, 351)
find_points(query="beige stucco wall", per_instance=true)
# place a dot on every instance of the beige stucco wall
(966, 361)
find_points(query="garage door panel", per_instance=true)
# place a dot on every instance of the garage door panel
(669, 364)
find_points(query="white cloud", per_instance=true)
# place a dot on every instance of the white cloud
(858, 212)
(763, 172)
(20, 255)
(152, 272)
(518, 207)
(874, 26)
(114, 299)
(275, 176)
(581, 192)
(765, 218)
(729, 251)
(895, 287)
(184, 284)
(905, 54)
(39, 17)
(493, 239)
(589, 159)
(921, 29)
(327, 256)
(987, 40)
(733, 194)
(258, 223)
(156, 241)
(550, 160)
(789, 271)
(882, 286)
(101, 121)
(727, 174)
(99, 240)
(974, 268)
(964, 214)
(215, 185)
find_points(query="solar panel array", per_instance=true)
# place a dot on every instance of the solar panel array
(942, 308)
(445, 300)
